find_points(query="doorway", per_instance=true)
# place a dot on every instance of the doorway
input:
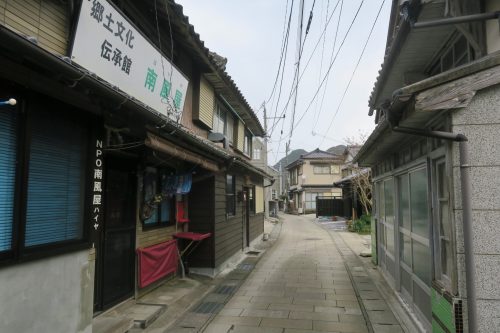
(115, 262)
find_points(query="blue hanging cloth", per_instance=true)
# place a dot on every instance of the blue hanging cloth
(179, 184)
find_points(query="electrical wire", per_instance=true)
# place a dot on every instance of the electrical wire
(292, 90)
(331, 57)
(331, 64)
(355, 69)
(283, 42)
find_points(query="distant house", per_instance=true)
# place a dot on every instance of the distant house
(352, 177)
(312, 175)
(435, 162)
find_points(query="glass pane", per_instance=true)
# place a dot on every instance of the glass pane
(406, 280)
(418, 202)
(422, 300)
(405, 249)
(390, 240)
(422, 262)
(150, 190)
(404, 202)
(389, 201)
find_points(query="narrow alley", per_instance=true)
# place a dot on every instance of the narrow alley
(309, 281)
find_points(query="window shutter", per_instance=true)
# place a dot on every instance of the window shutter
(54, 210)
(8, 147)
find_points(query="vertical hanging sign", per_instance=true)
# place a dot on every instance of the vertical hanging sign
(97, 185)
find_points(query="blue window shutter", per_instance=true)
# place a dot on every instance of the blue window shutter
(56, 180)
(8, 147)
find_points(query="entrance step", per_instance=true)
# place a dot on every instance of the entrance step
(120, 324)
(145, 314)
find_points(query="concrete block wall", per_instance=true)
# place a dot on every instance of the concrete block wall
(49, 295)
(480, 122)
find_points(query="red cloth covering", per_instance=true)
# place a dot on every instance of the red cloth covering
(156, 262)
(194, 236)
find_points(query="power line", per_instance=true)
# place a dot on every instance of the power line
(331, 64)
(355, 68)
(331, 57)
(284, 41)
(292, 91)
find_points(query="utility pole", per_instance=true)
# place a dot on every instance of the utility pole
(298, 54)
(266, 189)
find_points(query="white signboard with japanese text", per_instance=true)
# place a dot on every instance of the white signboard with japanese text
(108, 45)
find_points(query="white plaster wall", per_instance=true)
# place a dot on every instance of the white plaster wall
(492, 31)
(53, 295)
(480, 122)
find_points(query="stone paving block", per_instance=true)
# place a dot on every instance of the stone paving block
(339, 291)
(329, 309)
(286, 323)
(251, 329)
(241, 298)
(382, 317)
(277, 293)
(265, 313)
(294, 330)
(315, 302)
(231, 312)
(366, 286)
(375, 304)
(315, 295)
(271, 299)
(217, 328)
(339, 327)
(364, 294)
(314, 290)
(348, 304)
(341, 297)
(245, 321)
(325, 316)
(351, 318)
(246, 305)
(292, 307)
(378, 328)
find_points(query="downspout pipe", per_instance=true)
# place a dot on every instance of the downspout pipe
(470, 268)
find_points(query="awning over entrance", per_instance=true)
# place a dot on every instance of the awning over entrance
(162, 145)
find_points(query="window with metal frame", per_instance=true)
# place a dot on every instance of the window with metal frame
(251, 199)
(219, 123)
(247, 144)
(230, 195)
(155, 189)
(443, 231)
(48, 203)
(321, 169)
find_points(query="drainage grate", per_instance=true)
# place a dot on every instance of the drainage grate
(224, 289)
(245, 267)
(208, 307)
(253, 253)
(313, 238)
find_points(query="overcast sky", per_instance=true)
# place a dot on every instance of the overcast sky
(250, 34)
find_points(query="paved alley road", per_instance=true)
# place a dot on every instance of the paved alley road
(309, 281)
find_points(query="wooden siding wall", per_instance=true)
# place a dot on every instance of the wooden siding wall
(240, 135)
(46, 20)
(256, 225)
(259, 199)
(145, 238)
(201, 219)
(228, 233)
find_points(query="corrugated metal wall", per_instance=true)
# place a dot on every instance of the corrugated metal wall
(44, 19)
